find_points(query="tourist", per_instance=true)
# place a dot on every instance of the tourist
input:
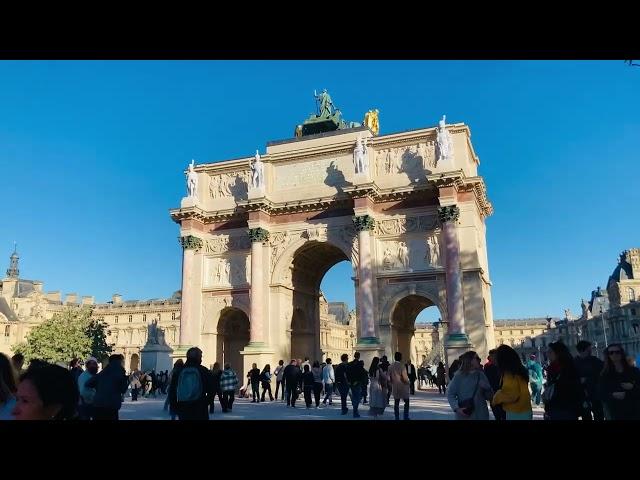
(365, 382)
(441, 379)
(563, 393)
(85, 408)
(134, 383)
(18, 363)
(469, 389)
(265, 378)
(46, 392)
(620, 386)
(329, 379)
(589, 369)
(177, 366)
(216, 374)
(317, 382)
(154, 383)
(454, 368)
(536, 378)
(254, 379)
(513, 393)
(342, 382)
(306, 362)
(109, 384)
(411, 373)
(399, 386)
(308, 382)
(493, 375)
(279, 372)
(379, 384)
(355, 376)
(75, 369)
(292, 378)
(8, 387)
(228, 385)
(191, 390)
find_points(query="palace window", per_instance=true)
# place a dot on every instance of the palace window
(173, 316)
(130, 318)
(115, 319)
(7, 330)
(632, 294)
(144, 317)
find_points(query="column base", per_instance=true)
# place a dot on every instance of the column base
(456, 344)
(258, 353)
(369, 347)
(180, 352)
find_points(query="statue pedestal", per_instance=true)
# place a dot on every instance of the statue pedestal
(188, 202)
(255, 193)
(363, 178)
(258, 353)
(156, 357)
(456, 344)
(369, 347)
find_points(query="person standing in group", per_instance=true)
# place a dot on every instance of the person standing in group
(364, 375)
(110, 384)
(563, 394)
(265, 378)
(191, 390)
(85, 408)
(292, 377)
(279, 372)
(342, 381)
(75, 369)
(411, 373)
(620, 386)
(513, 393)
(399, 386)
(228, 385)
(589, 369)
(469, 389)
(441, 379)
(8, 387)
(177, 366)
(18, 364)
(216, 375)
(134, 383)
(307, 385)
(47, 392)
(379, 383)
(329, 379)
(535, 379)
(355, 378)
(384, 365)
(493, 375)
(254, 379)
(317, 382)
(306, 362)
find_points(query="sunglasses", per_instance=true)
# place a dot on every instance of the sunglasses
(611, 352)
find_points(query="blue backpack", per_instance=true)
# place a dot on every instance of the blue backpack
(189, 385)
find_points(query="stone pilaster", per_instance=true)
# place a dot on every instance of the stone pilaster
(189, 324)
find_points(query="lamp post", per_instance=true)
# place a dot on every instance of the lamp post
(604, 325)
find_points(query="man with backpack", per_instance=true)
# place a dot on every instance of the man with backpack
(191, 390)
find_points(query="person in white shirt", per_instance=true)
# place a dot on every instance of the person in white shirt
(86, 394)
(328, 377)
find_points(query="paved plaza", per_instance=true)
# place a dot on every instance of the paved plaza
(425, 405)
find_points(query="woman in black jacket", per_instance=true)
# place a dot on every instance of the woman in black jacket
(307, 384)
(619, 386)
(563, 394)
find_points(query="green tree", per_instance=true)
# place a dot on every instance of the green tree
(69, 334)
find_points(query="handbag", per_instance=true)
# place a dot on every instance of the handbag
(468, 405)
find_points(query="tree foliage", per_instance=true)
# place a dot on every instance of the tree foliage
(69, 334)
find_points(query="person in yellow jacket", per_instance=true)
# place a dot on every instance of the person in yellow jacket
(513, 394)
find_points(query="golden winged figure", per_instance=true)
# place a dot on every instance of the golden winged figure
(371, 121)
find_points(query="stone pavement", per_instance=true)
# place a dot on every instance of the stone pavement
(425, 405)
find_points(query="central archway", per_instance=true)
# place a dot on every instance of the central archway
(233, 336)
(310, 264)
(403, 327)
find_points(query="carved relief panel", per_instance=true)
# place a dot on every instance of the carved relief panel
(229, 185)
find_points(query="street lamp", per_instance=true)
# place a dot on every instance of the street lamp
(604, 325)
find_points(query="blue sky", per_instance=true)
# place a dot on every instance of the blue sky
(92, 154)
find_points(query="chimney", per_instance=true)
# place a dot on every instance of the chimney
(37, 286)
(88, 300)
(54, 296)
(116, 298)
(71, 299)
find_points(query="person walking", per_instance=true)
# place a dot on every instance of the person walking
(279, 372)
(110, 384)
(329, 379)
(384, 365)
(364, 375)
(307, 385)
(469, 389)
(355, 377)
(8, 387)
(254, 379)
(216, 375)
(513, 393)
(536, 379)
(441, 379)
(563, 394)
(620, 386)
(342, 382)
(411, 373)
(379, 383)
(399, 386)
(191, 390)
(177, 366)
(292, 378)
(317, 382)
(492, 372)
(589, 369)
(85, 408)
(134, 383)
(265, 378)
(228, 385)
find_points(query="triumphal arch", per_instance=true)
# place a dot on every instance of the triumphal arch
(407, 209)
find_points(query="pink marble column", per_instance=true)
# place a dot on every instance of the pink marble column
(256, 334)
(364, 224)
(455, 309)
(188, 324)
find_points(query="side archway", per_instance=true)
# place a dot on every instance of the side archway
(233, 336)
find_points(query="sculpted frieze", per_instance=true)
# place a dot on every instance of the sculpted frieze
(398, 226)
(227, 185)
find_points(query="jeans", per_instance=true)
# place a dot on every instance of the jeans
(227, 400)
(356, 393)
(317, 388)
(343, 388)
(328, 390)
(279, 383)
(396, 408)
(266, 387)
(536, 391)
(255, 391)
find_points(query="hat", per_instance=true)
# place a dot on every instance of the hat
(90, 359)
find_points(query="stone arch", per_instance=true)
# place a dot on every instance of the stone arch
(232, 337)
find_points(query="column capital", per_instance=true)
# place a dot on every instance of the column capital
(450, 213)
(364, 222)
(258, 234)
(191, 242)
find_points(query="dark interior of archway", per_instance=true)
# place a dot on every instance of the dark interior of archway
(403, 322)
(233, 336)
(311, 262)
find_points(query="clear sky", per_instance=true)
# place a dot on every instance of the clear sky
(92, 155)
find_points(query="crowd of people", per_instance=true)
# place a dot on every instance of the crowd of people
(570, 388)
